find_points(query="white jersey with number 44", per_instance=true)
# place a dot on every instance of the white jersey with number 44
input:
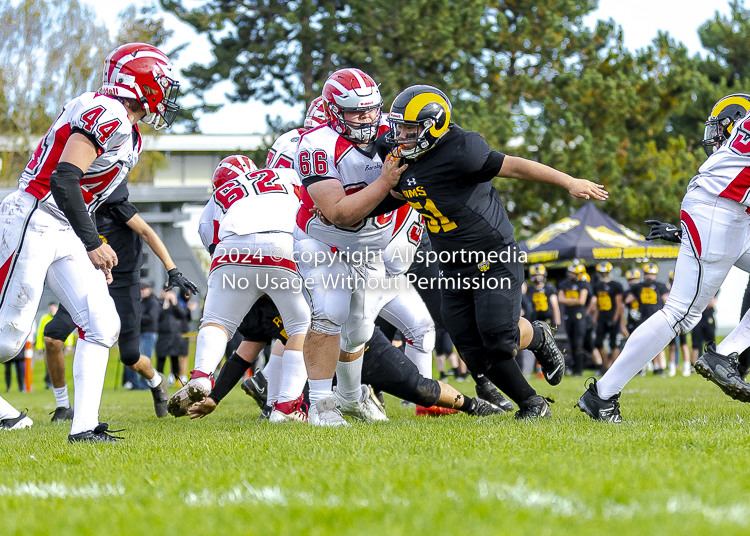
(259, 202)
(104, 120)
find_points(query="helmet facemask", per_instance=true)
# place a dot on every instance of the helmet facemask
(409, 137)
(715, 134)
(162, 114)
(355, 131)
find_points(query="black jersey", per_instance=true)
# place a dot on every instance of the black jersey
(648, 294)
(541, 300)
(606, 294)
(451, 186)
(111, 219)
(572, 290)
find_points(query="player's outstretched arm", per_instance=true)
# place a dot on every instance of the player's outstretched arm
(519, 168)
(346, 210)
(65, 184)
(149, 236)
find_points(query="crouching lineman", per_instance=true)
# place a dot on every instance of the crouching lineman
(253, 257)
(47, 228)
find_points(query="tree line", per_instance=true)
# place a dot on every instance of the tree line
(531, 77)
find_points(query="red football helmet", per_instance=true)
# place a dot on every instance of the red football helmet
(143, 72)
(316, 114)
(232, 167)
(351, 90)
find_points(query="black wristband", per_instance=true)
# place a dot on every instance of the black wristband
(65, 185)
(231, 374)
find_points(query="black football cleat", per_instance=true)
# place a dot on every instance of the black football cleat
(62, 414)
(600, 410)
(535, 407)
(549, 356)
(100, 434)
(256, 387)
(265, 413)
(482, 408)
(489, 393)
(16, 423)
(161, 397)
(724, 371)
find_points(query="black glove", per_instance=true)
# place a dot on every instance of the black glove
(176, 279)
(664, 231)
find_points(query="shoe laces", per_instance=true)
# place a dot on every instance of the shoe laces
(103, 428)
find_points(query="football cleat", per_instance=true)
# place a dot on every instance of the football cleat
(600, 410)
(535, 407)
(16, 423)
(325, 412)
(380, 396)
(482, 408)
(365, 409)
(291, 411)
(62, 414)
(100, 434)
(549, 355)
(433, 411)
(265, 413)
(256, 387)
(489, 393)
(723, 370)
(189, 395)
(161, 397)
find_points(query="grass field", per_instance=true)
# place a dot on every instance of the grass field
(679, 465)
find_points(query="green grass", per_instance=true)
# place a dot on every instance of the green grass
(679, 465)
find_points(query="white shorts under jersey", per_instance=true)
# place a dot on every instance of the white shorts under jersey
(105, 121)
(321, 152)
(726, 173)
(260, 202)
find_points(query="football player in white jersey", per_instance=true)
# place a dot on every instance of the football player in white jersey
(48, 233)
(341, 171)
(281, 154)
(715, 236)
(254, 256)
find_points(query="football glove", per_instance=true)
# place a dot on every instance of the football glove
(176, 279)
(664, 231)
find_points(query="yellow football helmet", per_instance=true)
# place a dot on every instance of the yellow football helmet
(424, 107)
(584, 277)
(635, 273)
(720, 123)
(604, 267)
(577, 268)
(651, 268)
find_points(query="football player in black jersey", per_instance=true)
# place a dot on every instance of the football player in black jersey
(448, 180)
(574, 294)
(649, 296)
(120, 226)
(607, 313)
(543, 296)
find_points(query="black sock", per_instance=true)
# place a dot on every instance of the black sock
(508, 377)
(231, 374)
(160, 363)
(480, 379)
(466, 405)
(744, 358)
(537, 339)
(456, 372)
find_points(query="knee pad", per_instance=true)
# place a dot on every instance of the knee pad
(423, 339)
(129, 348)
(354, 340)
(11, 342)
(101, 324)
(503, 344)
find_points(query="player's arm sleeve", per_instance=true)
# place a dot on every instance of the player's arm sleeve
(206, 225)
(479, 162)
(65, 186)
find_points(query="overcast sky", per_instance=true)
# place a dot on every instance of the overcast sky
(640, 19)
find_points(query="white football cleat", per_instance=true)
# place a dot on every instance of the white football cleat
(17, 423)
(193, 392)
(324, 412)
(364, 409)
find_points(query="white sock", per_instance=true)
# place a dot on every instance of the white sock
(320, 389)
(61, 396)
(293, 377)
(7, 411)
(89, 369)
(209, 348)
(644, 344)
(155, 381)
(349, 379)
(272, 371)
(423, 360)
